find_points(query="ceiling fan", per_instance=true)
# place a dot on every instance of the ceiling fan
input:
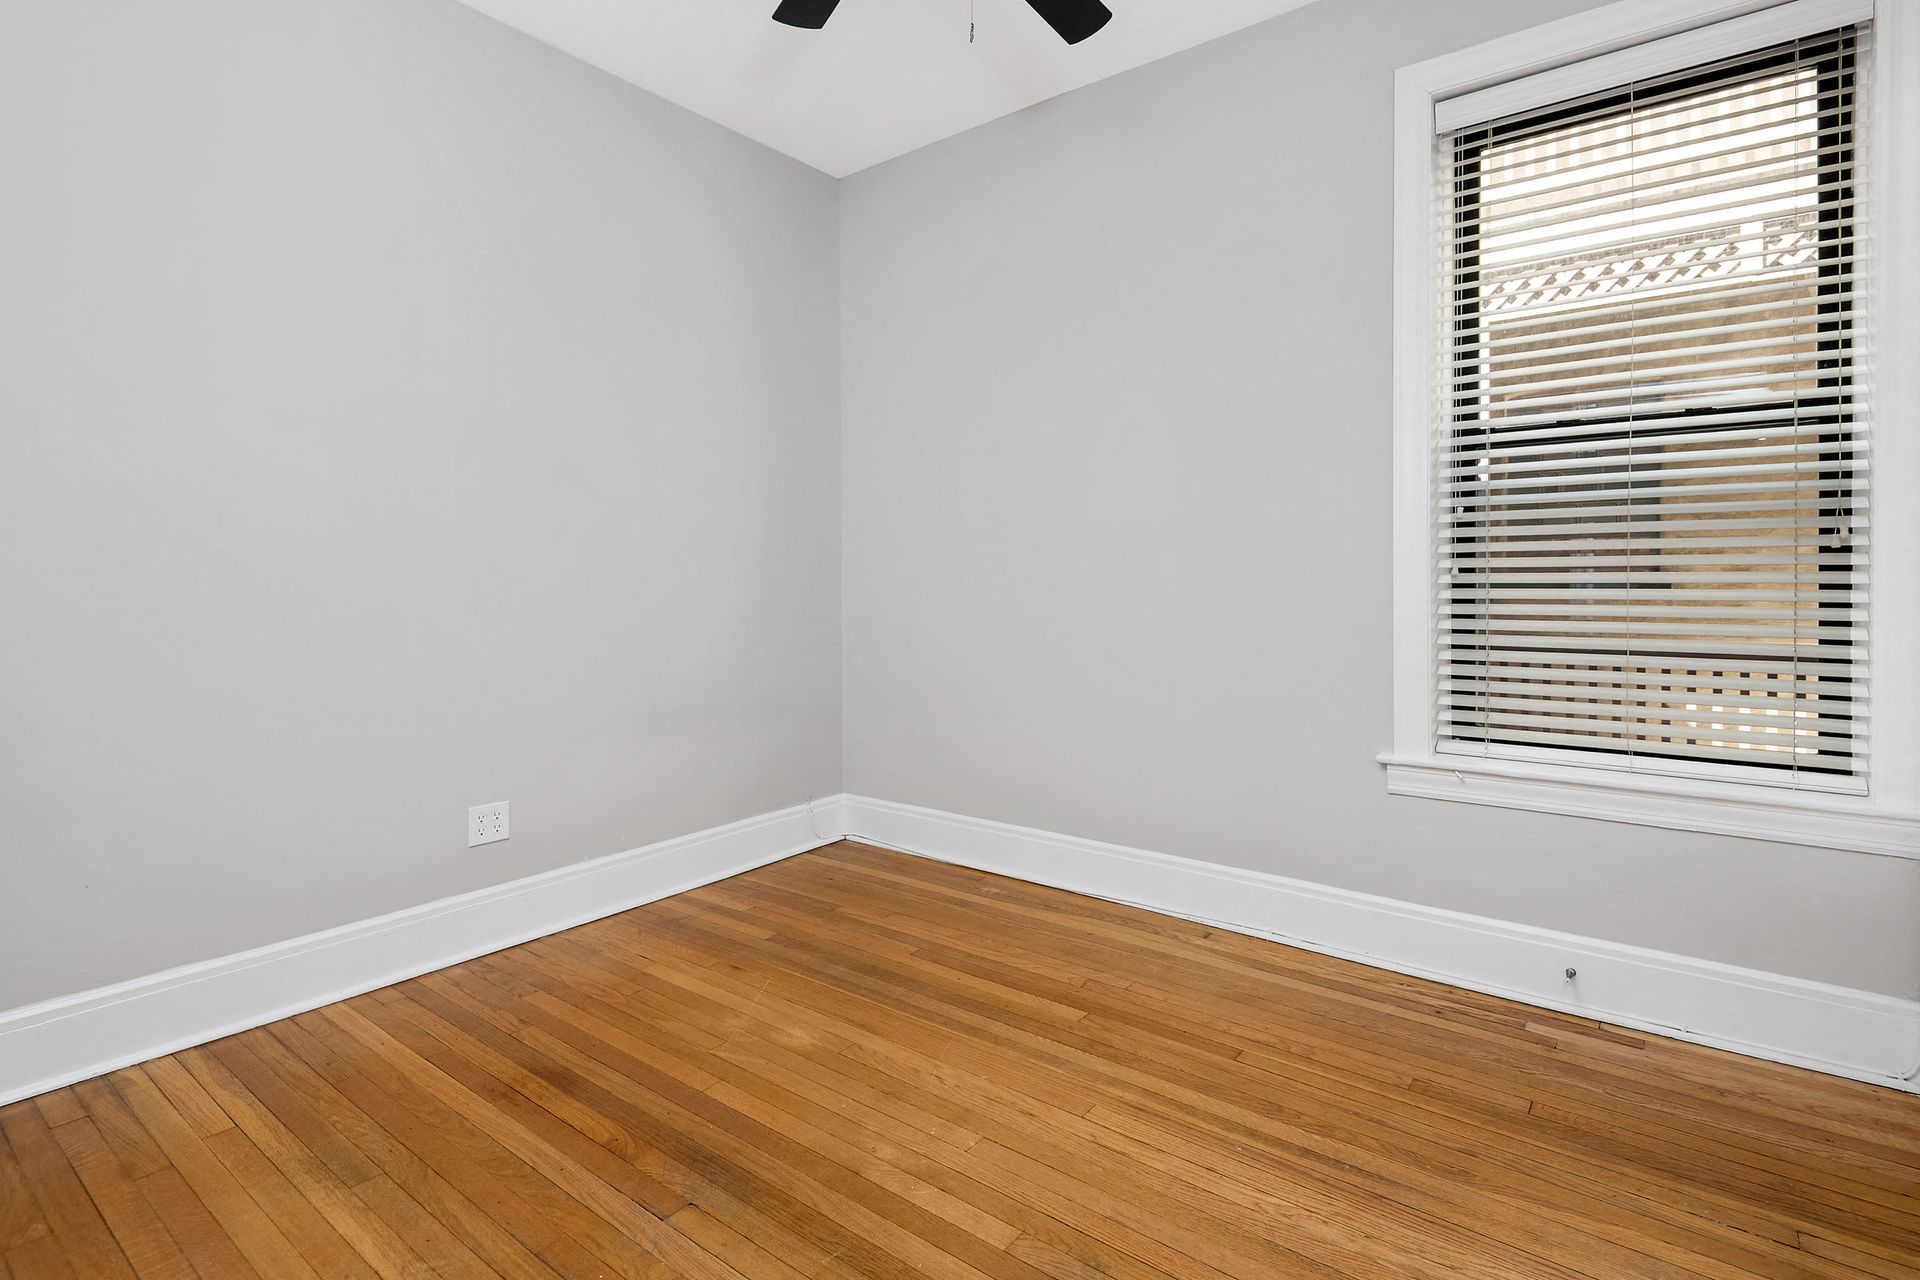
(1075, 20)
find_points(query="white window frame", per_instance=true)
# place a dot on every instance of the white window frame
(1886, 820)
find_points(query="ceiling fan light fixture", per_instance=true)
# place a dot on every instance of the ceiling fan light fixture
(1074, 20)
(811, 14)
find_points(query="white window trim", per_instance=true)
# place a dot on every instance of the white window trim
(1886, 820)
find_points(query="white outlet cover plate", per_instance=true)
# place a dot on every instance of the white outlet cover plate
(486, 824)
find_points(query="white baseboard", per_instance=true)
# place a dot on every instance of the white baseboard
(1858, 1034)
(57, 1042)
(1843, 1032)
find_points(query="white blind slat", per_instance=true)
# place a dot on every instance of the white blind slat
(1649, 60)
(1651, 466)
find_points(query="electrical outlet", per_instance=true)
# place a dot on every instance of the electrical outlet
(486, 823)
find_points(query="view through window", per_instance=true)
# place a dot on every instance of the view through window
(1652, 468)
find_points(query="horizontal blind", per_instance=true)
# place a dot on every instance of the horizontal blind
(1651, 509)
(1777, 21)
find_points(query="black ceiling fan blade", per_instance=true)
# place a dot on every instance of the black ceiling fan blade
(1075, 20)
(812, 14)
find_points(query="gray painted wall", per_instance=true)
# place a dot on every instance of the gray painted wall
(1116, 423)
(395, 415)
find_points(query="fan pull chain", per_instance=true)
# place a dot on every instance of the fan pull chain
(972, 9)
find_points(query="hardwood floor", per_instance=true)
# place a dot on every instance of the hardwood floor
(855, 1063)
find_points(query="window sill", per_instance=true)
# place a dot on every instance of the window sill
(1834, 822)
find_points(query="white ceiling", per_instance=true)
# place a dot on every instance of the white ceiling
(883, 77)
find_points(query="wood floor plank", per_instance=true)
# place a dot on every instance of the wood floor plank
(1886, 1204)
(1072, 1157)
(1752, 1081)
(290, 1050)
(997, 1104)
(247, 1223)
(202, 1114)
(69, 1211)
(59, 1106)
(1078, 1060)
(688, 1121)
(856, 1065)
(804, 1088)
(820, 1139)
(202, 1239)
(627, 1234)
(20, 1218)
(42, 1258)
(287, 1180)
(443, 1252)
(716, 1183)
(486, 1187)
(132, 1147)
(145, 1242)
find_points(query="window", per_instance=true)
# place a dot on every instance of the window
(1646, 431)
(1652, 478)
